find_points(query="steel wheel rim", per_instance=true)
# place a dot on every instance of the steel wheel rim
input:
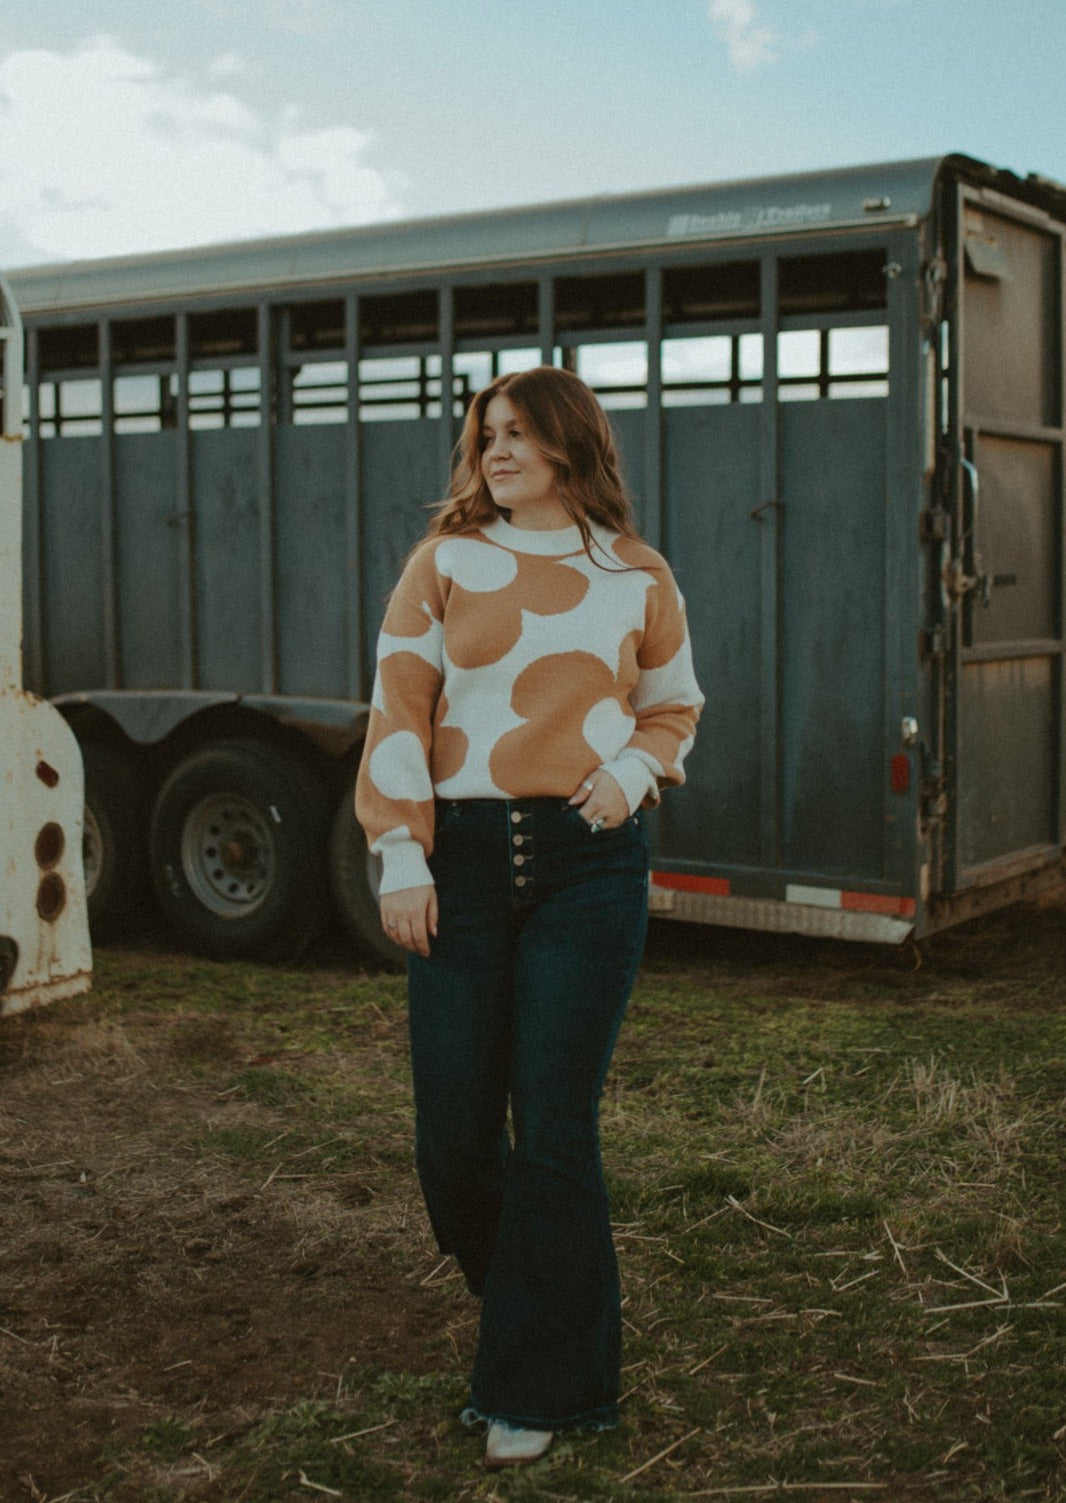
(228, 855)
(92, 851)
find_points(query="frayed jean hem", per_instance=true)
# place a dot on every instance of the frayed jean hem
(592, 1422)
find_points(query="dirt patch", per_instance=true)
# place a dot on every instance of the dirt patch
(144, 1276)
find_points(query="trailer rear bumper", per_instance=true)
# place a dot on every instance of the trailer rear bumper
(822, 912)
(840, 913)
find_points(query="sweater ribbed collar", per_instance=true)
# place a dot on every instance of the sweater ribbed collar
(550, 544)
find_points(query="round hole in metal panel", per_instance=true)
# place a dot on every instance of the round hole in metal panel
(47, 773)
(51, 897)
(49, 845)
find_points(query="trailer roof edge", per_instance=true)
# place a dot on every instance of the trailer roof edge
(683, 215)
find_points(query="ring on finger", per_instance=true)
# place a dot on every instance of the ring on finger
(587, 785)
(595, 826)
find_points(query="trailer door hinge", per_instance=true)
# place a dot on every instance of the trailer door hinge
(933, 792)
(934, 803)
(934, 276)
(933, 808)
(933, 525)
(931, 643)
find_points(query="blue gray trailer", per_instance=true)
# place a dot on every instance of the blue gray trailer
(840, 402)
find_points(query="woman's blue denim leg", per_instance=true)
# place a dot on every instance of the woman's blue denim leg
(522, 999)
(459, 1003)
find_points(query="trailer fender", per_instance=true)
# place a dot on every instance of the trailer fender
(149, 716)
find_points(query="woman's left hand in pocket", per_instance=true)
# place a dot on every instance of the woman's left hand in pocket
(601, 801)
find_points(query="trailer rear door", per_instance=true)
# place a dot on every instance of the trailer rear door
(1006, 573)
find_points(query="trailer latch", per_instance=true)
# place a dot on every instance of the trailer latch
(958, 583)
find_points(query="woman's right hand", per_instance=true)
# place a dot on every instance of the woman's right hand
(409, 917)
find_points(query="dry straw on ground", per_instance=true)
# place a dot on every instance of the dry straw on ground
(838, 1210)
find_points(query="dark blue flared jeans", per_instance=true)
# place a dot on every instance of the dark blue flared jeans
(542, 927)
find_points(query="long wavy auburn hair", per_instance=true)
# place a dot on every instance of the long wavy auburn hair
(568, 427)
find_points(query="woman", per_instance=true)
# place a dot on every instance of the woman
(534, 689)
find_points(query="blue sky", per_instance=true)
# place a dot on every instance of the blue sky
(144, 124)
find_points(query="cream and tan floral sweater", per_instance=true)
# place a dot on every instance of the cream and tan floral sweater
(511, 665)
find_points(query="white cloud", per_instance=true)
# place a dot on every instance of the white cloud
(749, 43)
(106, 153)
(228, 65)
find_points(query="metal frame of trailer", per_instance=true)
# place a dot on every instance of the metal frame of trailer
(839, 399)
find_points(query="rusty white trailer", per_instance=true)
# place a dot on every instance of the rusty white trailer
(839, 397)
(44, 933)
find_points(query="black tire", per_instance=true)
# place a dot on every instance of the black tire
(237, 852)
(113, 845)
(353, 881)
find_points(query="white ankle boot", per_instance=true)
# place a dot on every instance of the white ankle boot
(508, 1445)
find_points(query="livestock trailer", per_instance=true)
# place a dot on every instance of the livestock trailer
(839, 400)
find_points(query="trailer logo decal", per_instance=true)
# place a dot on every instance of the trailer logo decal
(702, 224)
(768, 217)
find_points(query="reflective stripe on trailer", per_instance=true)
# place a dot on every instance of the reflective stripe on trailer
(683, 882)
(827, 912)
(853, 902)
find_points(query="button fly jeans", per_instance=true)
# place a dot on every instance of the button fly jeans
(542, 926)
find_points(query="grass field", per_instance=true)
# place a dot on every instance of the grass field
(838, 1197)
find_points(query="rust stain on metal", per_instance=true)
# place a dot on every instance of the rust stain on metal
(47, 774)
(20, 999)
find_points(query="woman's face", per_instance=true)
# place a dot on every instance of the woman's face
(518, 476)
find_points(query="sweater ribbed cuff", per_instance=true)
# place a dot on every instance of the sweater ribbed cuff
(404, 865)
(634, 777)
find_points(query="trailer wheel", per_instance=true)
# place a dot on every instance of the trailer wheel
(353, 880)
(236, 849)
(113, 844)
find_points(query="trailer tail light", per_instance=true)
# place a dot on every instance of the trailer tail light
(48, 850)
(51, 897)
(49, 845)
(901, 773)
